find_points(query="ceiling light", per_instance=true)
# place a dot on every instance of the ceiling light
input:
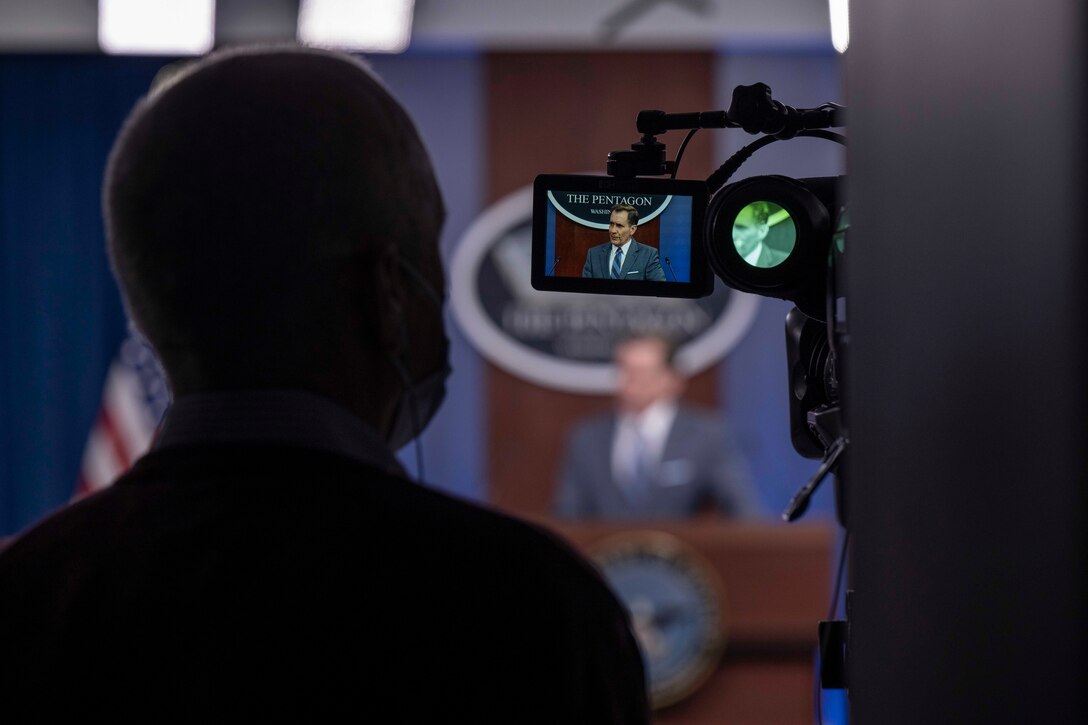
(840, 24)
(369, 25)
(156, 27)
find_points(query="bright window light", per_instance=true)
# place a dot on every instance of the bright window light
(840, 24)
(156, 27)
(372, 25)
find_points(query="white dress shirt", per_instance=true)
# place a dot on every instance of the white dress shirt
(640, 438)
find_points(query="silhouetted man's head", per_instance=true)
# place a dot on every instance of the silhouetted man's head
(273, 221)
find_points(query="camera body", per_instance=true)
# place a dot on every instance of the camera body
(626, 234)
(767, 235)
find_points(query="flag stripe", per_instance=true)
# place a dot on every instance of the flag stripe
(115, 443)
(134, 397)
(129, 416)
(100, 464)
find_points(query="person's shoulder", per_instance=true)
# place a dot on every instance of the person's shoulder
(515, 560)
(348, 500)
(486, 528)
(45, 564)
(76, 527)
(212, 501)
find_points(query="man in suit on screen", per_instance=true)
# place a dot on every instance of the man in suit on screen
(273, 222)
(622, 257)
(652, 457)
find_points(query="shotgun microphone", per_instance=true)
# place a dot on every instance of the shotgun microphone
(669, 265)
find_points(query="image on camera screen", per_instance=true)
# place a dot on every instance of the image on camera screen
(620, 236)
(630, 237)
(764, 234)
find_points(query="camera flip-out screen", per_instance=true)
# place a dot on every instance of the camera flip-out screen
(620, 236)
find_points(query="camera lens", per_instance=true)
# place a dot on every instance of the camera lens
(764, 234)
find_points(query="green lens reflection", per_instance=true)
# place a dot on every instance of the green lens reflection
(764, 234)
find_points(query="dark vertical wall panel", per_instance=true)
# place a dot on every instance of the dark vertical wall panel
(966, 378)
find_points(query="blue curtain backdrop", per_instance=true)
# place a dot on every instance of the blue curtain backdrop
(60, 316)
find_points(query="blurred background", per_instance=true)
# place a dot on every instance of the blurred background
(501, 92)
(965, 388)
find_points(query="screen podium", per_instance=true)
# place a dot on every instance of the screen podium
(774, 585)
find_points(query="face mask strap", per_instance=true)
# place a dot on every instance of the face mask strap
(409, 399)
(420, 281)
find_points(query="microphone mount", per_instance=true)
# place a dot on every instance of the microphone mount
(752, 109)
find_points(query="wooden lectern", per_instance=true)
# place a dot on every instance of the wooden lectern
(776, 582)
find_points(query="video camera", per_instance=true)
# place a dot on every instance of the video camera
(768, 235)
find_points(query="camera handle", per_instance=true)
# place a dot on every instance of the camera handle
(752, 109)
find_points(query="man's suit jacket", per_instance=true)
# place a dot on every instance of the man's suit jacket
(640, 262)
(257, 581)
(770, 257)
(700, 464)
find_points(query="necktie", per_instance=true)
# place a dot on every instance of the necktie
(617, 262)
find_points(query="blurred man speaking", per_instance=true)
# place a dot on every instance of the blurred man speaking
(273, 222)
(653, 457)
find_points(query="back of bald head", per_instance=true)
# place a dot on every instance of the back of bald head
(238, 197)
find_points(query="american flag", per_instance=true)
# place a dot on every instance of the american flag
(134, 398)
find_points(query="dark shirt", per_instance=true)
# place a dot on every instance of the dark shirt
(268, 578)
